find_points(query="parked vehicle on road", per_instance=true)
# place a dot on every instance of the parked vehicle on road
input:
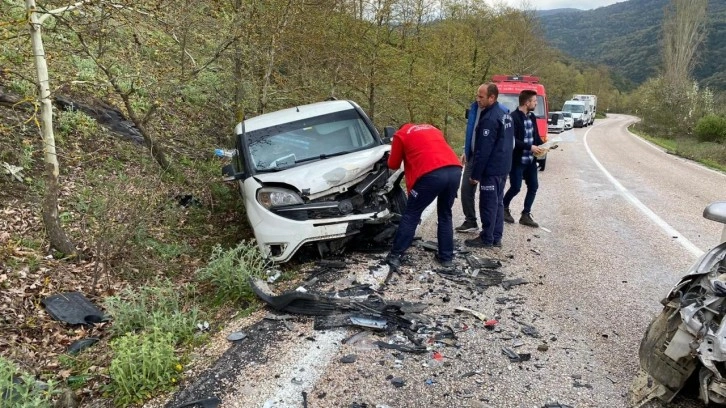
(314, 175)
(569, 121)
(579, 111)
(556, 122)
(509, 88)
(590, 105)
(686, 343)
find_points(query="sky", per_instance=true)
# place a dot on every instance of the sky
(553, 4)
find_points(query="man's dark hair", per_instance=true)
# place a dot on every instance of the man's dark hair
(493, 89)
(525, 95)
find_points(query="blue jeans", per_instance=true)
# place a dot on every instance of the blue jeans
(442, 185)
(491, 208)
(520, 171)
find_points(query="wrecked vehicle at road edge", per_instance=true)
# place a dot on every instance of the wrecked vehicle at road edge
(315, 175)
(686, 343)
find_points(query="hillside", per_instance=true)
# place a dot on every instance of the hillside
(627, 37)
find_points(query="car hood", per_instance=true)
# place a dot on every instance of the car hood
(328, 173)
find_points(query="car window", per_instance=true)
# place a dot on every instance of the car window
(567, 114)
(574, 108)
(292, 143)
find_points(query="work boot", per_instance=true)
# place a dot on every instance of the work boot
(498, 244)
(467, 227)
(526, 219)
(394, 261)
(508, 216)
(476, 243)
(445, 264)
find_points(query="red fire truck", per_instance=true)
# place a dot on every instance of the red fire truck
(509, 88)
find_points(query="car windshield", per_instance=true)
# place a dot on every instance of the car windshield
(511, 101)
(286, 145)
(574, 108)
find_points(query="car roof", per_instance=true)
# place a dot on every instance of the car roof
(297, 113)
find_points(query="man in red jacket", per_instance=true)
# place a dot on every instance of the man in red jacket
(433, 171)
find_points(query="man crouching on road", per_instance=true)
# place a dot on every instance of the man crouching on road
(492, 163)
(433, 171)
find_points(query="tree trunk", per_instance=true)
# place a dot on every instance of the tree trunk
(57, 236)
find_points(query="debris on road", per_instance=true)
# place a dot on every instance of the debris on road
(237, 336)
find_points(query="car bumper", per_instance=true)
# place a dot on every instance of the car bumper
(279, 238)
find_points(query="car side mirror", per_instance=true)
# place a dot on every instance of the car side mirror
(388, 132)
(230, 174)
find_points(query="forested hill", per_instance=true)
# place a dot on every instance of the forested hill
(627, 37)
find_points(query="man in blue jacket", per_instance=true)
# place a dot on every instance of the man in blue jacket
(524, 164)
(468, 191)
(493, 143)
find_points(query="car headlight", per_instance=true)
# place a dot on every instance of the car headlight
(271, 197)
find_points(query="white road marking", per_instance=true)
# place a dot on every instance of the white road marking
(313, 360)
(672, 232)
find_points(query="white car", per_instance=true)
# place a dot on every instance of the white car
(314, 174)
(555, 122)
(569, 120)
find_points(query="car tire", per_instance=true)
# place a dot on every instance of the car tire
(398, 200)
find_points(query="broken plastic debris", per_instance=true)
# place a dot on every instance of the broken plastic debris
(82, 344)
(479, 315)
(350, 358)
(507, 284)
(369, 322)
(212, 402)
(514, 356)
(73, 308)
(398, 382)
(479, 262)
(203, 326)
(530, 331)
(237, 336)
(556, 405)
(545, 229)
(491, 323)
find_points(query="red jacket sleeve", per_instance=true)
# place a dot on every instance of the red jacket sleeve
(396, 157)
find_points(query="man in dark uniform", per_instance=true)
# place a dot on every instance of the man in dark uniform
(494, 141)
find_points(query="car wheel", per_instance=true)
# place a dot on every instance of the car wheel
(398, 200)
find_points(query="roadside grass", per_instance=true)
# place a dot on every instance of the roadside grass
(21, 389)
(712, 155)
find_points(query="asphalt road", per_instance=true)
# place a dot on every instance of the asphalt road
(621, 221)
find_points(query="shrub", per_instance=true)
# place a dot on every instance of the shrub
(711, 128)
(161, 306)
(76, 122)
(20, 390)
(229, 271)
(142, 365)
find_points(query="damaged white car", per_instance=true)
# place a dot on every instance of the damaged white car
(685, 346)
(314, 175)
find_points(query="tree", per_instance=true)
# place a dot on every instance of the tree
(684, 29)
(57, 236)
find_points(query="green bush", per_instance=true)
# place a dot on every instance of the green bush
(229, 271)
(711, 128)
(142, 365)
(20, 390)
(76, 122)
(161, 306)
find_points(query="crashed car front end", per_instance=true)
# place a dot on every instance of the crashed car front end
(314, 174)
(689, 337)
(285, 216)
